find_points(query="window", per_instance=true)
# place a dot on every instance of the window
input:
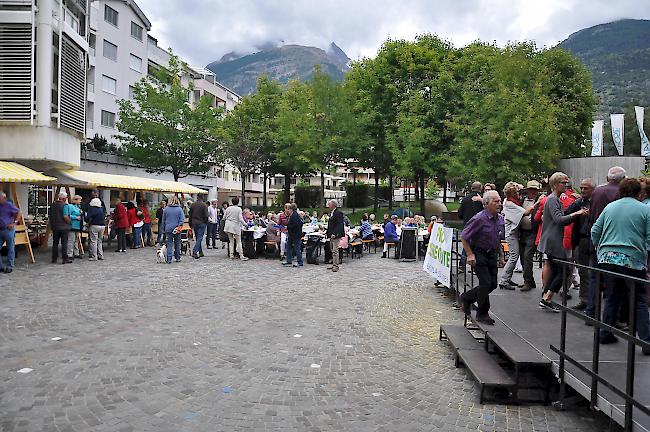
(110, 15)
(131, 92)
(136, 31)
(135, 63)
(109, 84)
(108, 119)
(71, 20)
(110, 50)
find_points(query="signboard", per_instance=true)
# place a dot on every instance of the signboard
(438, 259)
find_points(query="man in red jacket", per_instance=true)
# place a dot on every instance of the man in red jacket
(121, 223)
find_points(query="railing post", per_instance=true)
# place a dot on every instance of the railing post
(563, 335)
(595, 360)
(631, 347)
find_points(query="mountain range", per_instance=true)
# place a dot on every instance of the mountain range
(618, 56)
(616, 53)
(283, 63)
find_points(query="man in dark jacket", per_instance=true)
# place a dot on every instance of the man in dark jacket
(198, 222)
(581, 240)
(335, 232)
(60, 224)
(294, 232)
(471, 204)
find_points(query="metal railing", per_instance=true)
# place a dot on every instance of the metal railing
(626, 394)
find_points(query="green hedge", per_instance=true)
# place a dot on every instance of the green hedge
(307, 196)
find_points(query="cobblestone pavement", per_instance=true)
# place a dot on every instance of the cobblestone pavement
(217, 345)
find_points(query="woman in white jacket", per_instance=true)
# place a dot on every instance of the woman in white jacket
(512, 214)
(233, 225)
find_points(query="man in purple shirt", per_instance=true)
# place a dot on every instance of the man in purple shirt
(600, 197)
(481, 239)
(8, 215)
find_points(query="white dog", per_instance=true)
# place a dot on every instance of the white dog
(161, 254)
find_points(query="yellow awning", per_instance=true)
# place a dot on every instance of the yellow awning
(12, 172)
(115, 181)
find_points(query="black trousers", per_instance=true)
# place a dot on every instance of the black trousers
(59, 236)
(527, 250)
(486, 270)
(121, 238)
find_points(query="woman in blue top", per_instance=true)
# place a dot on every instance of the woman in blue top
(76, 218)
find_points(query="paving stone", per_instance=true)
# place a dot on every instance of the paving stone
(153, 347)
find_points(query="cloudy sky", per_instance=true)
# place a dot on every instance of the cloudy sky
(203, 30)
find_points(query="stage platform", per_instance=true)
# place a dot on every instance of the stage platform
(541, 328)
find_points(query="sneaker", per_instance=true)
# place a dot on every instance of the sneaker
(92, 259)
(100, 258)
(295, 264)
(301, 264)
(485, 319)
(543, 304)
(506, 286)
(608, 339)
(515, 284)
(286, 264)
(244, 258)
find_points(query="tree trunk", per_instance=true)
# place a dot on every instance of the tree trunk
(443, 181)
(243, 189)
(376, 197)
(423, 207)
(322, 192)
(417, 188)
(390, 192)
(264, 192)
(354, 184)
(287, 188)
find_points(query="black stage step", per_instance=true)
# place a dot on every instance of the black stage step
(480, 364)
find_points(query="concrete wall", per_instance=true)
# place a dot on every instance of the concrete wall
(596, 167)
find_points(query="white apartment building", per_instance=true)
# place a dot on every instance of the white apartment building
(43, 52)
(118, 59)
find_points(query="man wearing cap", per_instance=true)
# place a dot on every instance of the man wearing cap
(527, 234)
(390, 234)
(481, 239)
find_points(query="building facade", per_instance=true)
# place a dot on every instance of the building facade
(43, 53)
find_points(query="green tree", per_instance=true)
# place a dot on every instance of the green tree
(242, 146)
(160, 131)
(293, 153)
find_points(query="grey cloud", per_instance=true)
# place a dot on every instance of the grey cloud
(203, 30)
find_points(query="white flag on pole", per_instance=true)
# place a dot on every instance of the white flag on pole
(645, 145)
(617, 132)
(597, 138)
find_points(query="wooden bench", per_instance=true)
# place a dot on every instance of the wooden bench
(366, 244)
(274, 248)
(391, 244)
(481, 365)
(356, 247)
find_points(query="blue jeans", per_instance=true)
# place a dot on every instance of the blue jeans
(199, 231)
(293, 248)
(147, 233)
(137, 235)
(7, 236)
(616, 289)
(173, 242)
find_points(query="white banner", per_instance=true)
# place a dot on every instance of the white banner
(438, 260)
(597, 138)
(645, 145)
(617, 132)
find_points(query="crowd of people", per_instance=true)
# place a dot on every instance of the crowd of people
(607, 227)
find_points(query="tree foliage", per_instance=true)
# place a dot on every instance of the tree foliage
(160, 131)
